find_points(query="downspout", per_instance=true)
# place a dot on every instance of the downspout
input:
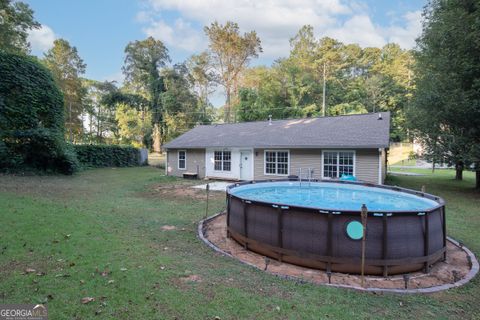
(380, 180)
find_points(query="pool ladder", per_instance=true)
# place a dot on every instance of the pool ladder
(309, 175)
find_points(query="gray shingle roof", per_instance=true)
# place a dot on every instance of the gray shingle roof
(350, 131)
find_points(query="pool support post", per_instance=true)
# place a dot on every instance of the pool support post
(245, 223)
(426, 242)
(364, 215)
(385, 244)
(280, 232)
(227, 200)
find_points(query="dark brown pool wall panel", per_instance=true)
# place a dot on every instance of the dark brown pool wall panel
(396, 242)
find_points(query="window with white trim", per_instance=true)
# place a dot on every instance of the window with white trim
(223, 160)
(276, 162)
(182, 159)
(338, 163)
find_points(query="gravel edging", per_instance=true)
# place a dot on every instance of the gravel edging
(471, 274)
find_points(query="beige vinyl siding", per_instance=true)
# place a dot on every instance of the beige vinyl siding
(366, 163)
(299, 158)
(195, 161)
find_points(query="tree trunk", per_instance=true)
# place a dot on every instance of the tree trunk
(156, 138)
(459, 170)
(227, 105)
(477, 175)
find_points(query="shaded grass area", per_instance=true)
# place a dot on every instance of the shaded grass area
(405, 162)
(156, 160)
(99, 234)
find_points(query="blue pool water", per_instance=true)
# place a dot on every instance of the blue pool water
(332, 196)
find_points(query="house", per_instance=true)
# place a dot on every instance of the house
(328, 147)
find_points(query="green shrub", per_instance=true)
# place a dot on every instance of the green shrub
(31, 118)
(107, 155)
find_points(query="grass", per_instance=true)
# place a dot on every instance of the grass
(110, 220)
(157, 160)
(405, 162)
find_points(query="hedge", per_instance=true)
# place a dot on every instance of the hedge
(31, 118)
(107, 155)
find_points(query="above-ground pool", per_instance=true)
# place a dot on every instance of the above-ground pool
(318, 224)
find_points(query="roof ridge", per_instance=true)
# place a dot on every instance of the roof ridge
(289, 119)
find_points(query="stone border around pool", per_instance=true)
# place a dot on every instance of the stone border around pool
(471, 274)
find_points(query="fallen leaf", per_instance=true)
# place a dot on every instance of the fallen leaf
(123, 269)
(87, 300)
(98, 312)
(82, 281)
(111, 281)
(62, 275)
(30, 270)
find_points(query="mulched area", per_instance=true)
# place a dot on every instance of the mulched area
(454, 268)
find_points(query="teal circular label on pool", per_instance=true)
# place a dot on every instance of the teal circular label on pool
(355, 230)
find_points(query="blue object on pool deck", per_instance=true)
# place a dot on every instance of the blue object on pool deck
(347, 177)
(333, 196)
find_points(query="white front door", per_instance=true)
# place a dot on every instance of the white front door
(246, 165)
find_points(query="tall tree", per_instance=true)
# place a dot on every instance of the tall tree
(330, 59)
(133, 119)
(200, 67)
(66, 66)
(182, 107)
(143, 62)
(446, 109)
(16, 19)
(100, 115)
(231, 53)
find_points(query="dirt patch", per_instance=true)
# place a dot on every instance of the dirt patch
(181, 192)
(454, 268)
(191, 278)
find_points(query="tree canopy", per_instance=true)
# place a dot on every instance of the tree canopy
(231, 53)
(143, 63)
(67, 67)
(327, 77)
(445, 114)
(16, 19)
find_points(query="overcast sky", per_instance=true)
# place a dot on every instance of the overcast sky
(100, 29)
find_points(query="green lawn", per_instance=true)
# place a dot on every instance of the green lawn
(405, 162)
(110, 221)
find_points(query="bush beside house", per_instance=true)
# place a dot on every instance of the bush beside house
(107, 155)
(32, 124)
(31, 118)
